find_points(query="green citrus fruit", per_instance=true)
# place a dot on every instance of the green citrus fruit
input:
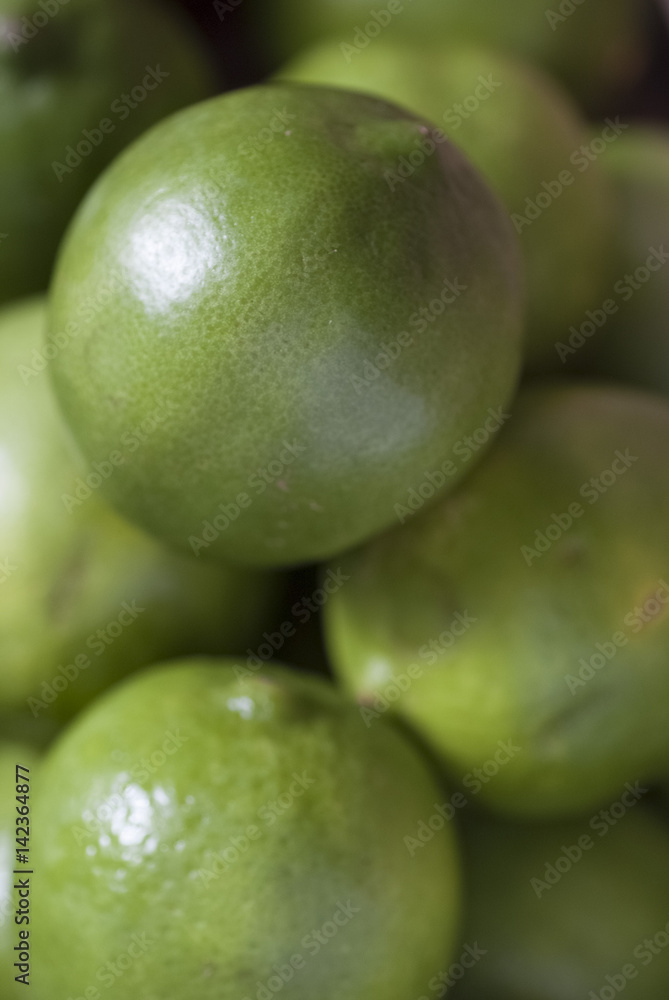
(322, 329)
(569, 910)
(236, 837)
(79, 79)
(629, 333)
(665, 800)
(594, 47)
(21, 726)
(14, 919)
(84, 596)
(516, 126)
(521, 626)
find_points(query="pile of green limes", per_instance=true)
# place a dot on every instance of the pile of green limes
(363, 368)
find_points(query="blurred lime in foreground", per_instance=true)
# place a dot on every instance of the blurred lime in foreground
(78, 81)
(85, 597)
(530, 144)
(521, 625)
(316, 334)
(235, 836)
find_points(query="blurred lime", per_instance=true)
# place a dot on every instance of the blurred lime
(569, 910)
(236, 837)
(79, 79)
(521, 626)
(85, 597)
(594, 46)
(530, 144)
(628, 338)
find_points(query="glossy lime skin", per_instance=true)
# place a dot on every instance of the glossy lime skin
(69, 567)
(633, 346)
(519, 130)
(219, 924)
(556, 935)
(11, 754)
(524, 664)
(262, 259)
(598, 48)
(63, 77)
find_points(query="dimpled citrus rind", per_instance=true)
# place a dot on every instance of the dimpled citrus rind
(318, 329)
(232, 828)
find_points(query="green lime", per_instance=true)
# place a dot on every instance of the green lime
(530, 144)
(15, 925)
(220, 833)
(595, 47)
(321, 329)
(84, 596)
(79, 79)
(521, 625)
(569, 910)
(628, 333)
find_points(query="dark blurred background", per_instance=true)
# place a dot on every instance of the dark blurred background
(231, 33)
